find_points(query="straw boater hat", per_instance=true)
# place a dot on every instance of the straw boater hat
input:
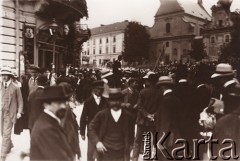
(148, 74)
(6, 71)
(165, 80)
(223, 70)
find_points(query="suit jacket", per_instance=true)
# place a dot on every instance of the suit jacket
(35, 107)
(148, 102)
(90, 109)
(48, 141)
(189, 109)
(15, 103)
(22, 123)
(98, 128)
(227, 127)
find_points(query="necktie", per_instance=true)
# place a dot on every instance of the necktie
(5, 85)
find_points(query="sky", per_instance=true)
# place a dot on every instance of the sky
(111, 11)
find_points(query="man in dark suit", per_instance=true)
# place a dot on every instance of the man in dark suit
(166, 113)
(35, 107)
(29, 84)
(189, 108)
(48, 141)
(147, 105)
(109, 130)
(92, 105)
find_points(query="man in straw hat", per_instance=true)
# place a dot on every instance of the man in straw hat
(109, 130)
(48, 140)
(11, 109)
(166, 113)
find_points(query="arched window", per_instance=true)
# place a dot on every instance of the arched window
(227, 38)
(168, 28)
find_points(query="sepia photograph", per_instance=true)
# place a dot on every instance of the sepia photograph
(119, 80)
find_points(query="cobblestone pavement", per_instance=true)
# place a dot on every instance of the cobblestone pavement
(22, 143)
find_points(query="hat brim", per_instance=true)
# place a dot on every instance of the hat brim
(161, 83)
(215, 75)
(44, 98)
(115, 96)
(6, 73)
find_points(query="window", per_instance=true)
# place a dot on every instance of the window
(167, 44)
(100, 41)
(93, 41)
(100, 61)
(106, 40)
(220, 23)
(212, 40)
(106, 49)
(227, 38)
(100, 50)
(114, 49)
(88, 43)
(168, 28)
(114, 39)
(88, 52)
(94, 51)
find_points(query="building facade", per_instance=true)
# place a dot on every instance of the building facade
(42, 33)
(105, 44)
(217, 33)
(177, 24)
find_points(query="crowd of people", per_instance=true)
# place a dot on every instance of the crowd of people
(191, 101)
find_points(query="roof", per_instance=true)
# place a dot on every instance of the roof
(188, 6)
(118, 26)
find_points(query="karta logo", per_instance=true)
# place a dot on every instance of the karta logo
(178, 149)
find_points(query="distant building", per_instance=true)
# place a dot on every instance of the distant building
(105, 44)
(217, 33)
(177, 23)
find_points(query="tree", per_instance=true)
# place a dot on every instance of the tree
(197, 52)
(232, 50)
(136, 42)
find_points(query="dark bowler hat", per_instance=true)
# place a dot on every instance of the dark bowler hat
(53, 93)
(42, 80)
(115, 93)
(98, 84)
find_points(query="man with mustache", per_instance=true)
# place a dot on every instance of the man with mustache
(48, 141)
(109, 130)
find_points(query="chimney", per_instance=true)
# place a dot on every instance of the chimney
(200, 2)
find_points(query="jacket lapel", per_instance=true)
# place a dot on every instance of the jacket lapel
(11, 92)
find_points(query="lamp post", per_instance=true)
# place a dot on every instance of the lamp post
(53, 27)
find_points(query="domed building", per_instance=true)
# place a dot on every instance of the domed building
(177, 24)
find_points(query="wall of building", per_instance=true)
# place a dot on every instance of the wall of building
(9, 51)
(107, 49)
(183, 28)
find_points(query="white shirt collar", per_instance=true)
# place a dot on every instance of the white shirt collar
(40, 86)
(167, 91)
(229, 83)
(8, 83)
(182, 80)
(50, 113)
(97, 99)
(116, 114)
